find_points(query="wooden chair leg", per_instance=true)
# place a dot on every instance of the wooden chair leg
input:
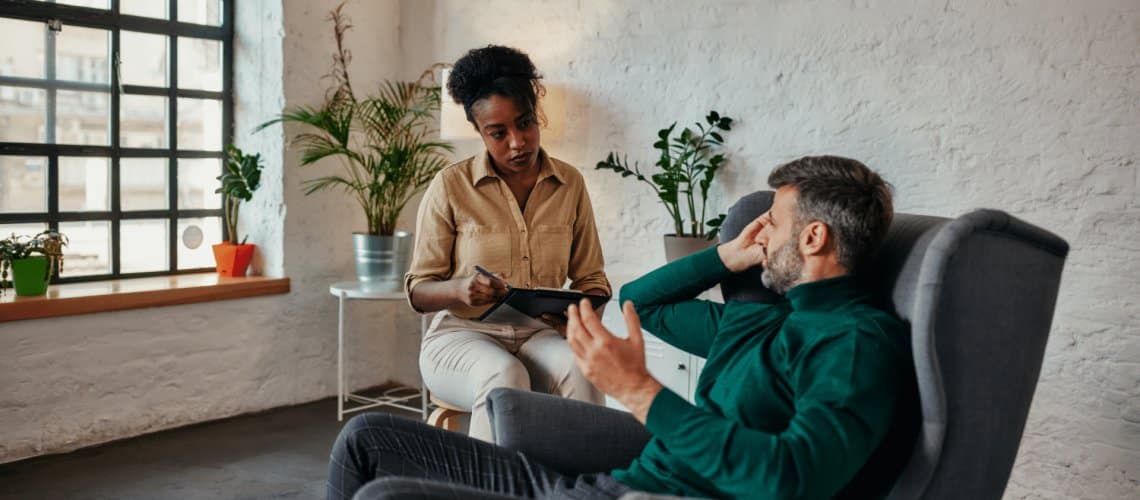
(445, 418)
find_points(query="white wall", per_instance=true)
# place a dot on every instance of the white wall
(1029, 107)
(76, 381)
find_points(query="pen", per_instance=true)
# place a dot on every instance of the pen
(491, 275)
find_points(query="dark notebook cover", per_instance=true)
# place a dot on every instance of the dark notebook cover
(522, 306)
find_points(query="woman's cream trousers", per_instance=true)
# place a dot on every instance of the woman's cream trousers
(462, 360)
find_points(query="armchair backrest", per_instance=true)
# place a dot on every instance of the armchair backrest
(978, 293)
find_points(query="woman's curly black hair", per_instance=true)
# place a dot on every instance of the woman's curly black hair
(496, 70)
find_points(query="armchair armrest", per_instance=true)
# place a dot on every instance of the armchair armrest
(571, 437)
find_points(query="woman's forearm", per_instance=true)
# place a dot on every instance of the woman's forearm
(432, 296)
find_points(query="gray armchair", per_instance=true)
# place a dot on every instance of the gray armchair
(978, 292)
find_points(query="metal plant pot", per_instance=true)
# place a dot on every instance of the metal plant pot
(382, 261)
(682, 246)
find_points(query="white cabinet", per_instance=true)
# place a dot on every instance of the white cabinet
(673, 367)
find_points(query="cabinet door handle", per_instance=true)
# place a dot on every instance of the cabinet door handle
(681, 366)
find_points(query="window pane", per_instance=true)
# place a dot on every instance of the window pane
(7, 230)
(142, 184)
(84, 184)
(206, 232)
(23, 114)
(199, 64)
(145, 8)
(23, 184)
(29, 37)
(83, 118)
(142, 246)
(88, 249)
(98, 4)
(200, 124)
(197, 180)
(82, 55)
(200, 12)
(142, 121)
(144, 58)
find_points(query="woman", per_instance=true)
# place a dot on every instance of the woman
(517, 212)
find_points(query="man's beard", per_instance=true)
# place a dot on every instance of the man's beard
(785, 268)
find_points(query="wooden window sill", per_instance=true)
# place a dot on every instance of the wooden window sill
(118, 295)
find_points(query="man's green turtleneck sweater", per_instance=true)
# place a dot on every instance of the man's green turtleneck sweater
(795, 397)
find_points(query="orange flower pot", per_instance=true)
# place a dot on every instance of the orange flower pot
(232, 260)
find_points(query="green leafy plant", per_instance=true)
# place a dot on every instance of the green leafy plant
(381, 141)
(48, 243)
(688, 162)
(240, 177)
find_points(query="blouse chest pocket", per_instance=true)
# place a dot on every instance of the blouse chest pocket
(552, 245)
(483, 245)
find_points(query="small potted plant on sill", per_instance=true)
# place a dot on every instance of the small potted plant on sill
(688, 163)
(32, 259)
(240, 178)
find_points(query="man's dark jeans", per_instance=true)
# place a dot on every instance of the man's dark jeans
(378, 455)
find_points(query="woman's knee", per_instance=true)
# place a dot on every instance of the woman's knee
(507, 372)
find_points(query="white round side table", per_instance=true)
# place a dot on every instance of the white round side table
(395, 397)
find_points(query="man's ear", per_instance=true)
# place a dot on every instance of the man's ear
(815, 238)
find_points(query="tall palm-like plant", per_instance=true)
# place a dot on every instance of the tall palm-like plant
(382, 141)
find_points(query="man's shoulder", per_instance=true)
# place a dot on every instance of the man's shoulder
(854, 319)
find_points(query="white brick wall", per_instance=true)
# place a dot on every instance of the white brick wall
(76, 381)
(1029, 107)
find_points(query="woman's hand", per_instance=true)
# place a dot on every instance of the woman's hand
(480, 290)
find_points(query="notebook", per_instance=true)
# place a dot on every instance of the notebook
(523, 306)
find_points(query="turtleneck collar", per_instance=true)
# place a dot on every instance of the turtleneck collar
(825, 294)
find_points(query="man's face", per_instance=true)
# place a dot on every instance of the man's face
(783, 263)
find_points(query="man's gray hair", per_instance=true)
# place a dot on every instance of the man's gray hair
(851, 199)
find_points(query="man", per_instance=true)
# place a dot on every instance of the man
(810, 397)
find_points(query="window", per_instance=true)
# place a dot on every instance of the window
(113, 120)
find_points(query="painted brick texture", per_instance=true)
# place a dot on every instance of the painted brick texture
(1028, 107)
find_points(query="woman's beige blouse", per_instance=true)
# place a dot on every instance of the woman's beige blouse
(468, 216)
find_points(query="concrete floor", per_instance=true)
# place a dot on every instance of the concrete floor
(277, 454)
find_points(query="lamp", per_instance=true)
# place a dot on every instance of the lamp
(453, 122)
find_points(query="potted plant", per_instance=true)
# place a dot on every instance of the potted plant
(688, 162)
(33, 259)
(385, 155)
(241, 176)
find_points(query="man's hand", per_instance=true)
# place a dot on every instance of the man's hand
(615, 366)
(478, 290)
(744, 251)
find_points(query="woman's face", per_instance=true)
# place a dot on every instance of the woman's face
(509, 132)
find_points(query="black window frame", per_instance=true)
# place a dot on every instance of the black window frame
(113, 21)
